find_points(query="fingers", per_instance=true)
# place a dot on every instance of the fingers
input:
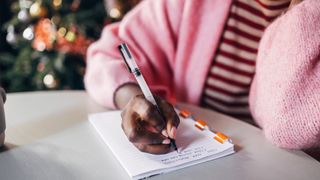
(146, 127)
(143, 136)
(154, 149)
(142, 123)
(148, 113)
(171, 117)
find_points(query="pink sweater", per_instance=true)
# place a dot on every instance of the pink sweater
(174, 41)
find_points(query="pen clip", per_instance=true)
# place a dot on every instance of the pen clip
(124, 51)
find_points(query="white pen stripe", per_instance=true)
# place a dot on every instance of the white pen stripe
(249, 15)
(224, 97)
(271, 3)
(230, 75)
(236, 64)
(245, 28)
(241, 40)
(228, 87)
(238, 52)
(266, 11)
(228, 109)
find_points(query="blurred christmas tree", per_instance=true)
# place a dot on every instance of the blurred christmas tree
(48, 40)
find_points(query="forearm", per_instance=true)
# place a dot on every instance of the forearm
(124, 93)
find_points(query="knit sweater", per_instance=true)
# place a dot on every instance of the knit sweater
(233, 67)
(285, 94)
(173, 41)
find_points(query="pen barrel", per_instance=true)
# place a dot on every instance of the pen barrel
(145, 89)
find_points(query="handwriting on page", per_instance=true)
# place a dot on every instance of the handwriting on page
(185, 155)
(192, 143)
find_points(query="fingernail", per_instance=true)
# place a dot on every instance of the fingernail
(173, 132)
(164, 132)
(166, 141)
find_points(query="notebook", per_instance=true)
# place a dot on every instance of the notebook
(194, 146)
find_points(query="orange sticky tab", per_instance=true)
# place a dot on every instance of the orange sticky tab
(184, 113)
(198, 126)
(202, 123)
(221, 137)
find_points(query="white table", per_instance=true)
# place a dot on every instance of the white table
(49, 137)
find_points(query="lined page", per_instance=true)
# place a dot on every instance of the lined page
(194, 146)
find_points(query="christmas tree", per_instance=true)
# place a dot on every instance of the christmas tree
(46, 41)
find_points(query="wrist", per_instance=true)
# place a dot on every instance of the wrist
(124, 93)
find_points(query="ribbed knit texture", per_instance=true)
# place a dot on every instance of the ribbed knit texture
(285, 95)
(233, 68)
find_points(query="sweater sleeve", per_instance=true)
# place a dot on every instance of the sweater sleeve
(150, 30)
(285, 94)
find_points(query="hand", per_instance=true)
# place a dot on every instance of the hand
(146, 128)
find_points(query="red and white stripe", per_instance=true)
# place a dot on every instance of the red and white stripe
(227, 85)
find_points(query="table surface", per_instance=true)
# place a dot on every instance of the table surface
(49, 137)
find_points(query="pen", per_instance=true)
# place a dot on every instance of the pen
(133, 68)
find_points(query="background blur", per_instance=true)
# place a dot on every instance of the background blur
(43, 43)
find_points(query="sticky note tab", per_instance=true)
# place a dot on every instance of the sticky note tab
(200, 124)
(184, 113)
(220, 137)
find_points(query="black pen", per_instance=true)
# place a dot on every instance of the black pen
(133, 68)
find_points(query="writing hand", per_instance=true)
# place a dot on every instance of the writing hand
(146, 128)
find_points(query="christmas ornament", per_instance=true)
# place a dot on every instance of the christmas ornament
(11, 35)
(45, 35)
(28, 33)
(78, 46)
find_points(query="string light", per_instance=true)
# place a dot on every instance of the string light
(62, 31)
(35, 9)
(115, 13)
(57, 3)
(49, 81)
(71, 36)
(28, 33)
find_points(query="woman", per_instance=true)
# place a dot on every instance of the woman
(215, 53)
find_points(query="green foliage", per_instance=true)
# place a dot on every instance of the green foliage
(22, 68)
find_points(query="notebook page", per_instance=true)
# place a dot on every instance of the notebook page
(195, 146)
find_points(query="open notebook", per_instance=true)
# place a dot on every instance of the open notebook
(194, 146)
